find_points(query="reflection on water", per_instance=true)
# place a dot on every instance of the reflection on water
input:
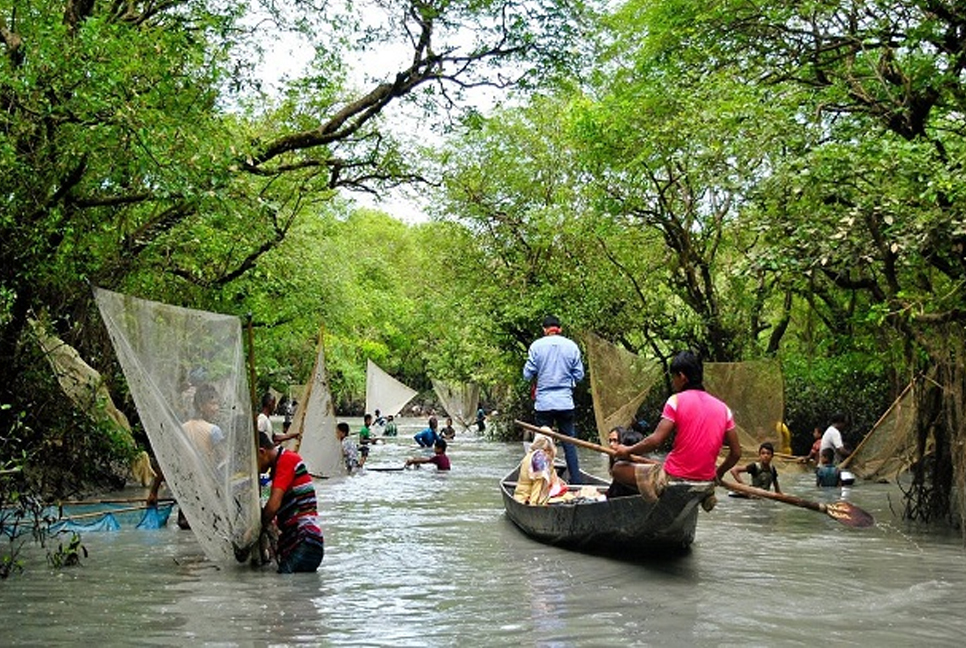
(416, 558)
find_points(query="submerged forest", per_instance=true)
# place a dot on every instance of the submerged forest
(781, 180)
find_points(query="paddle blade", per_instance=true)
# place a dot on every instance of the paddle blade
(850, 514)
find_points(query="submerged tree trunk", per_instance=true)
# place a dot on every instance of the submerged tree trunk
(938, 490)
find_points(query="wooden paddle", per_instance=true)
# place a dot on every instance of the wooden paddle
(845, 512)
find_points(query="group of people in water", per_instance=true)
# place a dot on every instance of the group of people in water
(355, 455)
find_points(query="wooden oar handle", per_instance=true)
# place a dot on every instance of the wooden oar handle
(579, 442)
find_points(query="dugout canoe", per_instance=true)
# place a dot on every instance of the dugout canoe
(622, 527)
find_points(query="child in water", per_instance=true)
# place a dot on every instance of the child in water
(828, 475)
(763, 474)
(439, 458)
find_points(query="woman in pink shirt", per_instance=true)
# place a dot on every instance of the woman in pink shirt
(703, 424)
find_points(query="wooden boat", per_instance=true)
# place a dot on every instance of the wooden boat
(624, 527)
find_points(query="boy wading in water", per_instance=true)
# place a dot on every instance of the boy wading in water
(763, 474)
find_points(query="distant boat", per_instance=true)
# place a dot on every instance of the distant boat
(629, 528)
(171, 357)
(385, 393)
(318, 446)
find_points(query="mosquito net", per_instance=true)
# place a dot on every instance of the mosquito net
(315, 420)
(890, 447)
(619, 382)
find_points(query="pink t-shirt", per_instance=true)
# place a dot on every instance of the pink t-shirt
(701, 421)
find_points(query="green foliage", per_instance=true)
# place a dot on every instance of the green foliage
(69, 555)
(817, 387)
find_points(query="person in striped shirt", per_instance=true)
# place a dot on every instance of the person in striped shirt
(293, 506)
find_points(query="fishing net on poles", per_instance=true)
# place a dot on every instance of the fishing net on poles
(619, 382)
(459, 400)
(186, 373)
(318, 446)
(755, 392)
(890, 447)
(385, 393)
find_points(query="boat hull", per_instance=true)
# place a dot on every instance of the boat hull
(624, 527)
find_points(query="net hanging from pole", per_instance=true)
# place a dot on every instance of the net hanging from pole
(890, 446)
(459, 400)
(619, 382)
(385, 393)
(318, 446)
(186, 372)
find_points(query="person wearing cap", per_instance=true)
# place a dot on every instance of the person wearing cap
(554, 363)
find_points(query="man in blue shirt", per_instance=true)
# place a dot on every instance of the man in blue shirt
(554, 361)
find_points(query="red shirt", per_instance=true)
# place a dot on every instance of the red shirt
(701, 421)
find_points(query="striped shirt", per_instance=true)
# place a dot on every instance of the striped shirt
(297, 517)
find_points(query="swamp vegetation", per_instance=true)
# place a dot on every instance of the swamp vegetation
(781, 179)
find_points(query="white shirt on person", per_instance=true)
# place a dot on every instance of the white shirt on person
(832, 438)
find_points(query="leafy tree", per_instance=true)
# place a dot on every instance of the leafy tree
(870, 216)
(137, 157)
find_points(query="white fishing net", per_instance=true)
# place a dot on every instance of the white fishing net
(318, 446)
(385, 393)
(459, 400)
(185, 369)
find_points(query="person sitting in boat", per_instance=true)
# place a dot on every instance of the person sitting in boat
(828, 474)
(538, 481)
(701, 424)
(427, 438)
(621, 436)
(763, 473)
(391, 428)
(353, 456)
(439, 458)
(448, 432)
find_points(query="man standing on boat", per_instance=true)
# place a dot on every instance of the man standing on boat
(703, 424)
(554, 361)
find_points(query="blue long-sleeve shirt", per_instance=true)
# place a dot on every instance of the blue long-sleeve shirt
(555, 362)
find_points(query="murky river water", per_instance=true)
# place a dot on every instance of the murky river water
(416, 558)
